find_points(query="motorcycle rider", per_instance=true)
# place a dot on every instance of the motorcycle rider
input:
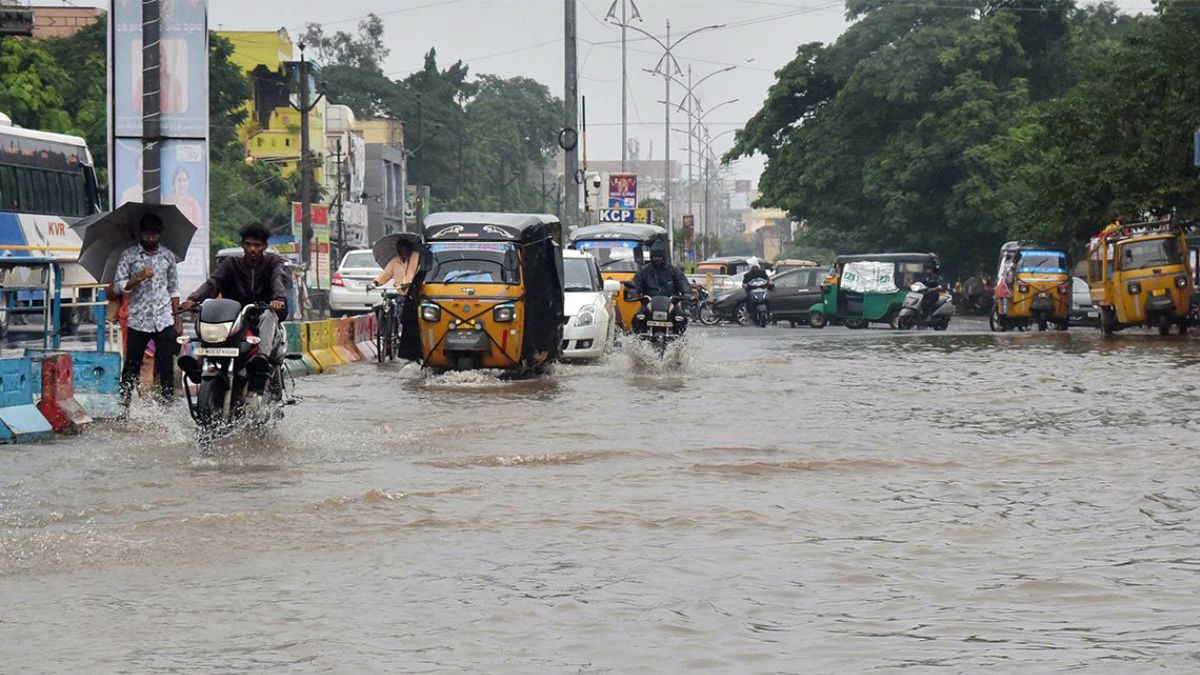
(256, 276)
(659, 278)
(933, 288)
(755, 272)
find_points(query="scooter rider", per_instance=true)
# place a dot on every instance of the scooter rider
(755, 272)
(659, 278)
(933, 288)
(256, 276)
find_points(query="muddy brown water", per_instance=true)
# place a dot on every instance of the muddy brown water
(781, 500)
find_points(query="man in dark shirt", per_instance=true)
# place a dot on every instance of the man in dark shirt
(659, 278)
(933, 287)
(256, 276)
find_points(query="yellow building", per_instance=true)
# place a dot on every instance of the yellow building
(385, 132)
(271, 131)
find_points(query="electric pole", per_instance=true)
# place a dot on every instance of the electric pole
(611, 17)
(306, 170)
(151, 104)
(571, 115)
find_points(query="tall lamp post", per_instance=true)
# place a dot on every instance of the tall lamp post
(664, 67)
(611, 17)
(695, 121)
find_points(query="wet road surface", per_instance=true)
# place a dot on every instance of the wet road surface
(782, 500)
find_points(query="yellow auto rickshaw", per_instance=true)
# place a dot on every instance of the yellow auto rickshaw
(492, 296)
(620, 250)
(1139, 276)
(1034, 288)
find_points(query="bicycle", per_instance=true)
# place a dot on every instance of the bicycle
(387, 325)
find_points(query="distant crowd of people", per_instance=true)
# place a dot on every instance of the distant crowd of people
(975, 294)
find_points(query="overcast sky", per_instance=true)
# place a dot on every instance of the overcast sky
(525, 37)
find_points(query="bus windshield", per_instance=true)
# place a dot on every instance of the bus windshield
(611, 255)
(45, 177)
(474, 263)
(1136, 255)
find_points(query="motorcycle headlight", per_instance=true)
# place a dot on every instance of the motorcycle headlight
(586, 316)
(504, 313)
(660, 316)
(431, 313)
(215, 332)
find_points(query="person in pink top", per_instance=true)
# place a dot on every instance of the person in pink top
(401, 269)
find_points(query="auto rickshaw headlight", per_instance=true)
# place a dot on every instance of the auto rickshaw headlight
(1024, 288)
(504, 313)
(1064, 288)
(431, 313)
(1180, 281)
(1134, 288)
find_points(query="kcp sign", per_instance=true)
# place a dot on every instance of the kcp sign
(625, 216)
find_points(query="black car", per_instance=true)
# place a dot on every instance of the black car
(795, 292)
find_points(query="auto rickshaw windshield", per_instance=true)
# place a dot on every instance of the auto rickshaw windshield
(1042, 262)
(474, 262)
(612, 255)
(1136, 255)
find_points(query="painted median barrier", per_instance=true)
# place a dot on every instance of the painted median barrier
(344, 330)
(97, 380)
(364, 337)
(318, 345)
(58, 404)
(296, 346)
(20, 420)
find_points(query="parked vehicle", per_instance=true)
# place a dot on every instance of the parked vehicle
(795, 292)
(789, 264)
(868, 288)
(348, 288)
(620, 251)
(728, 266)
(913, 313)
(589, 308)
(1083, 312)
(1036, 288)
(492, 296)
(756, 300)
(1140, 276)
(226, 344)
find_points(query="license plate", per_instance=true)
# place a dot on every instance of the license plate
(659, 324)
(1092, 315)
(1159, 291)
(217, 351)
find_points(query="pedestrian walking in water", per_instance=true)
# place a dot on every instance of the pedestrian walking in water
(148, 275)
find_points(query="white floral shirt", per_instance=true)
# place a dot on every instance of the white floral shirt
(150, 302)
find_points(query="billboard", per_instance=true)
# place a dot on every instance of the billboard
(354, 224)
(640, 216)
(622, 190)
(318, 271)
(184, 166)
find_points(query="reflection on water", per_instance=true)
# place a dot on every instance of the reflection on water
(754, 500)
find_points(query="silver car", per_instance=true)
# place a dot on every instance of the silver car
(1083, 312)
(348, 291)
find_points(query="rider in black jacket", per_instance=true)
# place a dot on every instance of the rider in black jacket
(659, 278)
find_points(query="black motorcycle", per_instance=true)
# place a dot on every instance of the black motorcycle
(226, 345)
(662, 326)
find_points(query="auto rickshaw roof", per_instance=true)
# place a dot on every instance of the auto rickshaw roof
(886, 257)
(1027, 246)
(479, 226)
(725, 260)
(620, 231)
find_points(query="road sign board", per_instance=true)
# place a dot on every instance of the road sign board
(641, 216)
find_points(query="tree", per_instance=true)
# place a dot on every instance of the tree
(31, 86)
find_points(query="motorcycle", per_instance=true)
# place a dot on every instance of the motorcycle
(911, 314)
(756, 300)
(702, 310)
(220, 364)
(660, 328)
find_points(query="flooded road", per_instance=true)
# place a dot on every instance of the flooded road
(786, 500)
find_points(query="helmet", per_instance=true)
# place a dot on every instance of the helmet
(658, 250)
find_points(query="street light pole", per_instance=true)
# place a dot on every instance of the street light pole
(668, 60)
(624, 24)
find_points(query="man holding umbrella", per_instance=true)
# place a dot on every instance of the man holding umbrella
(148, 274)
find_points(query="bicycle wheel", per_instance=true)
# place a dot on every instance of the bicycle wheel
(397, 327)
(380, 338)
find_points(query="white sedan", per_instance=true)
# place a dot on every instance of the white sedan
(588, 306)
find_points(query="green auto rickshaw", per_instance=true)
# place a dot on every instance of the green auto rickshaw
(867, 288)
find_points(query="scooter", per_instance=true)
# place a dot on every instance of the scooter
(911, 316)
(221, 363)
(756, 300)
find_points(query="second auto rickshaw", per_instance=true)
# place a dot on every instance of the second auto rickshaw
(1033, 288)
(1139, 276)
(493, 291)
(620, 250)
(868, 288)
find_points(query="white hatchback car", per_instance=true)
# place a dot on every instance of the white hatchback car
(348, 291)
(588, 306)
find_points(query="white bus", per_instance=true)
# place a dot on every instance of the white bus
(47, 182)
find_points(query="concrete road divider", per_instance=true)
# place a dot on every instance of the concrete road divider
(97, 380)
(363, 340)
(295, 345)
(345, 340)
(58, 404)
(20, 420)
(329, 340)
(317, 345)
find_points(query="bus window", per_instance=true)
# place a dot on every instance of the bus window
(8, 189)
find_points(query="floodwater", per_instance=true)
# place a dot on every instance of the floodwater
(780, 500)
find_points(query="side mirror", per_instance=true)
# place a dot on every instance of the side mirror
(611, 286)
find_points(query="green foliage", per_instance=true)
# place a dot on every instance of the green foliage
(953, 128)
(32, 83)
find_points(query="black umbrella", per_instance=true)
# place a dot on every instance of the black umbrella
(107, 235)
(384, 248)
